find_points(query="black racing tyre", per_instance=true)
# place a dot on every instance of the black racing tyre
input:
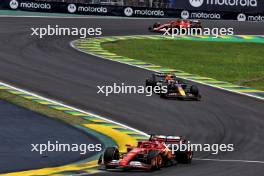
(150, 28)
(163, 95)
(155, 25)
(158, 162)
(100, 160)
(194, 90)
(151, 82)
(111, 153)
(151, 155)
(155, 160)
(198, 97)
(184, 157)
(153, 78)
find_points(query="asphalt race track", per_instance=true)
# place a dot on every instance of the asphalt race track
(21, 127)
(52, 68)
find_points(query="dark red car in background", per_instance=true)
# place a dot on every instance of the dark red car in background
(178, 23)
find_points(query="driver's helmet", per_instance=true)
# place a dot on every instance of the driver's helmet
(169, 77)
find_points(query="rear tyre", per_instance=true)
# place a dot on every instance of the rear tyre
(156, 163)
(184, 157)
(150, 28)
(198, 97)
(157, 24)
(155, 160)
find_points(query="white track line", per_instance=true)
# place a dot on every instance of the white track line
(71, 107)
(220, 160)
(112, 121)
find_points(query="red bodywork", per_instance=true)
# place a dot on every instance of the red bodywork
(176, 24)
(136, 157)
(143, 148)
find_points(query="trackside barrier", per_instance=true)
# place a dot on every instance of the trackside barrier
(242, 10)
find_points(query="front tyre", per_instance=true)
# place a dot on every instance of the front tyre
(194, 90)
(111, 153)
(156, 162)
(163, 95)
(100, 160)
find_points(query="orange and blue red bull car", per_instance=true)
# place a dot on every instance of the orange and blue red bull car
(175, 88)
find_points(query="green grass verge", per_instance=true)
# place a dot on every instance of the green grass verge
(42, 109)
(239, 63)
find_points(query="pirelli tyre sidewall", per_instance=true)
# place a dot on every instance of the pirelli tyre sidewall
(110, 153)
(154, 158)
(184, 157)
(155, 25)
(194, 90)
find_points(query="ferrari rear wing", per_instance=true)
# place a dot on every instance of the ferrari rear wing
(166, 139)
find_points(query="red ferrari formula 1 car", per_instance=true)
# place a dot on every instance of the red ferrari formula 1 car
(152, 154)
(178, 23)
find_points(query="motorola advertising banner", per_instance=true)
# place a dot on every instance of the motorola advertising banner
(245, 6)
(186, 9)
